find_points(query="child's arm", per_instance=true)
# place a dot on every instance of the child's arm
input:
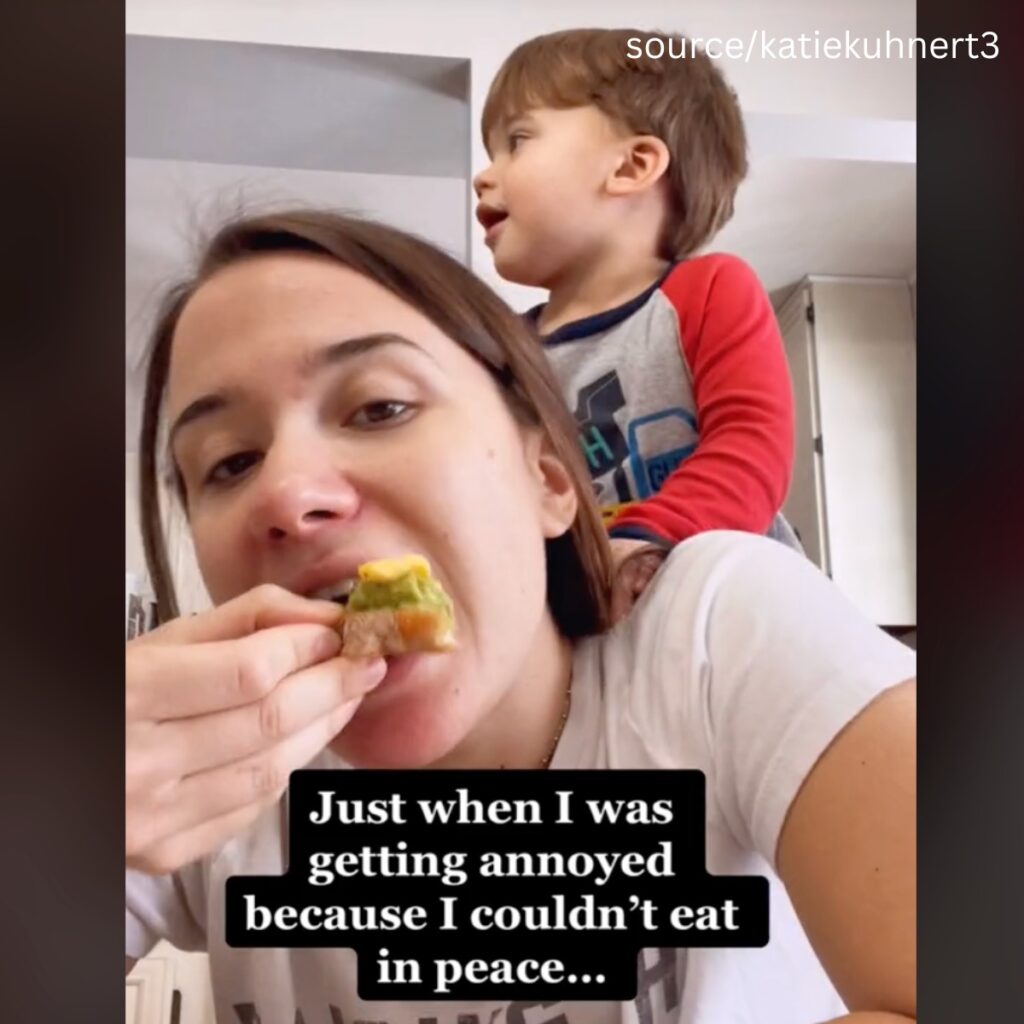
(738, 476)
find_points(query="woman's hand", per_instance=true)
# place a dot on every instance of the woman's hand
(220, 708)
(634, 563)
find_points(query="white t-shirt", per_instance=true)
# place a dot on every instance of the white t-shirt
(742, 660)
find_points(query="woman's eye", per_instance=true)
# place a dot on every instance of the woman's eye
(375, 414)
(232, 467)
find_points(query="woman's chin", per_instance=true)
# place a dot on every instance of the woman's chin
(397, 743)
(410, 720)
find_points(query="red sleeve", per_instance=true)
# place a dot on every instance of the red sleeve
(738, 475)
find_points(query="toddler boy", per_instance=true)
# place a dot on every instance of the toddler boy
(609, 172)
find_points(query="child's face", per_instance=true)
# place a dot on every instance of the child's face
(543, 199)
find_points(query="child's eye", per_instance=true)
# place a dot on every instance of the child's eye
(379, 414)
(229, 469)
(514, 139)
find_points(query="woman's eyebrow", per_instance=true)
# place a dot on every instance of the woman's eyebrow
(341, 351)
(203, 406)
(313, 363)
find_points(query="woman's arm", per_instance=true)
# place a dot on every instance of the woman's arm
(847, 855)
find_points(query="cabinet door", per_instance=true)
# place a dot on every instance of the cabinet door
(805, 503)
(149, 992)
(169, 987)
(865, 352)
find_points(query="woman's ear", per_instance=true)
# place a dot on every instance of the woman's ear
(557, 500)
(642, 163)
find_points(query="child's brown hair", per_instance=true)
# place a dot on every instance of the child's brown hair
(683, 100)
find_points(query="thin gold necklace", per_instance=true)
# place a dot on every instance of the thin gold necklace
(561, 726)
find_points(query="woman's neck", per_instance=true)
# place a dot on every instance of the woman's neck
(523, 729)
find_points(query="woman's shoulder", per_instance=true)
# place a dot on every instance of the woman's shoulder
(712, 581)
(730, 563)
(747, 651)
(749, 606)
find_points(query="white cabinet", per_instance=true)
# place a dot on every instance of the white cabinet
(149, 996)
(169, 987)
(852, 353)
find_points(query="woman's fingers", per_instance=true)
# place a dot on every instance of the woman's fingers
(206, 741)
(190, 802)
(169, 854)
(177, 681)
(220, 709)
(256, 609)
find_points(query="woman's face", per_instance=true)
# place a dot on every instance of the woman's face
(319, 422)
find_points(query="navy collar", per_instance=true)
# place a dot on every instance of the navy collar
(596, 322)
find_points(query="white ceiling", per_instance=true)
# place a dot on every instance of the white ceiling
(209, 101)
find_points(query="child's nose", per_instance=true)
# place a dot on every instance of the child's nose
(484, 180)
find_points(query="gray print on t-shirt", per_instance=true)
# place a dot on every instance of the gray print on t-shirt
(666, 972)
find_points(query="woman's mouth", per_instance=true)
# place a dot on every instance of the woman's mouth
(338, 592)
(400, 666)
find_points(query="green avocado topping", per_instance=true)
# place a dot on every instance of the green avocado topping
(407, 590)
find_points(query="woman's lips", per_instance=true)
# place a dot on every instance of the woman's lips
(404, 671)
(400, 668)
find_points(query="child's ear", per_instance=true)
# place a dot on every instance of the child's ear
(557, 500)
(642, 162)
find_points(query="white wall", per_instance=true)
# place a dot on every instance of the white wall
(799, 216)
(485, 32)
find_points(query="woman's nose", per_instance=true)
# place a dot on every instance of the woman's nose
(300, 506)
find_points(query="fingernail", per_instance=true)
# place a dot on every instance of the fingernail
(329, 643)
(369, 673)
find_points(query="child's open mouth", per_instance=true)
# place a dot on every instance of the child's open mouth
(491, 218)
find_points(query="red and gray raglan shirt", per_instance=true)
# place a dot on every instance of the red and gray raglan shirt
(684, 404)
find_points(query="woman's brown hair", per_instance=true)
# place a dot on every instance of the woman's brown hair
(459, 304)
